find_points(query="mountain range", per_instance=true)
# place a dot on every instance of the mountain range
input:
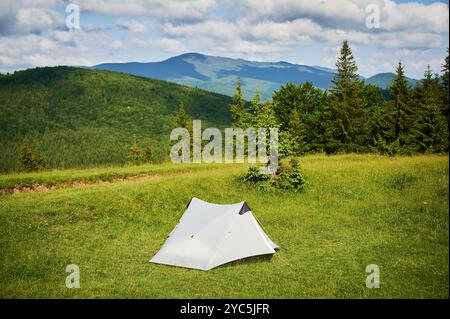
(219, 74)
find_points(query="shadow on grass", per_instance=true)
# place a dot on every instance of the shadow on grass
(247, 261)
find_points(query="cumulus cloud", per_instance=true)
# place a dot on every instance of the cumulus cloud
(24, 17)
(33, 33)
(347, 14)
(165, 44)
(165, 9)
(132, 26)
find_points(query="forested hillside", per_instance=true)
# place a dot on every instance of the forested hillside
(353, 116)
(76, 117)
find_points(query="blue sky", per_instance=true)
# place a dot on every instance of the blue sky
(34, 33)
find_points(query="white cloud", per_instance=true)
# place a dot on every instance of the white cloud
(33, 33)
(132, 26)
(165, 9)
(348, 14)
(165, 44)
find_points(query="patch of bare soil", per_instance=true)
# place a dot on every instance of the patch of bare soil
(36, 187)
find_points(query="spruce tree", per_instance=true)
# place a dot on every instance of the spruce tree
(399, 110)
(182, 119)
(444, 86)
(345, 115)
(256, 106)
(237, 107)
(429, 133)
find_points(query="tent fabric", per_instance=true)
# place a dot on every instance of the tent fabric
(209, 235)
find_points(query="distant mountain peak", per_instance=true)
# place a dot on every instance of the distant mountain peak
(219, 74)
(189, 55)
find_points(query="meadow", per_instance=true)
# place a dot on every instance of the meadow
(357, 210)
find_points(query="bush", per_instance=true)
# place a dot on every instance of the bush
(29, 161)
(253, 176)
(288, 177)
(138, 155)
(384, 148)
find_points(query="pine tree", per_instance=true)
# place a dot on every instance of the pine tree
(444, 86)
(345, 115)
(182, 119)
(237, 107)
(399, 115)
(256, 103)
(429, 133)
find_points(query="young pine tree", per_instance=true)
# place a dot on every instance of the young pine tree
(345, 115)
(181, 118)
(237, 107)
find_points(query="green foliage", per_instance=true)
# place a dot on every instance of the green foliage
(288, 178)
(237, 107)
(30, 161)
(182, 119)
(354, 116)
(445, 85)
(345, 118)
(382, 147)
(253, 176)
(298, 109)
(430, 128)
(140, 155)
(80, 117)
(402, 114)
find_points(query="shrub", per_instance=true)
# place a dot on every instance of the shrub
(288, 177)
(29, 161)
(138, 155)
(253, 176)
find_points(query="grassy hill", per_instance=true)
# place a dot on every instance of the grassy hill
(357, 210)
(82, 117)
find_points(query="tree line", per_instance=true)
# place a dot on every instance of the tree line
(352, 116)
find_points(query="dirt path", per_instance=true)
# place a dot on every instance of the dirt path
(38, 187)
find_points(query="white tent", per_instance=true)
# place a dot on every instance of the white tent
(209, 235)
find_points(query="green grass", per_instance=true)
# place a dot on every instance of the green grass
(357, 210)
(58, 177)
